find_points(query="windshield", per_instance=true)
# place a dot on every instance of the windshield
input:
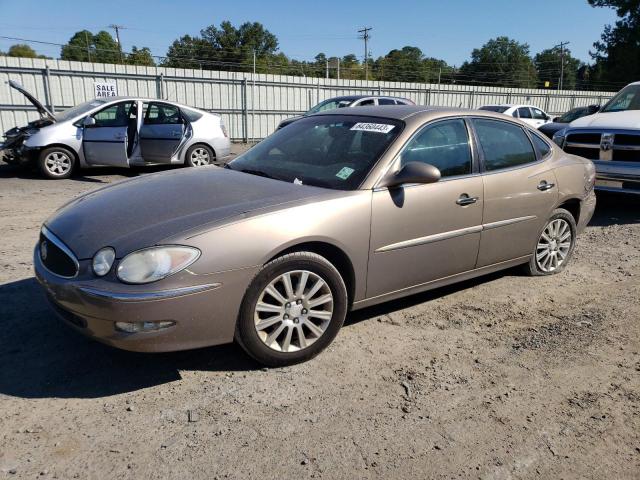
(332, 151)
(330, 105)
(78, 110)
(495, 108)
(627, 99)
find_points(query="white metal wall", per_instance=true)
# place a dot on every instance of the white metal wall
(251, 105)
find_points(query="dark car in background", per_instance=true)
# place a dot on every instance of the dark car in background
(348, 101)
(563, 121)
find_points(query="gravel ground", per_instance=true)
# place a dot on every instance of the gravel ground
(501, 377)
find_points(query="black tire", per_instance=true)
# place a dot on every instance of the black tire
(189, 161)
(534, 267)
(53, 172)
(246, 334)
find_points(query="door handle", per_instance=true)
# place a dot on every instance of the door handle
(543, 186)
(465, 199)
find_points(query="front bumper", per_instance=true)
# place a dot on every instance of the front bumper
(621, 177)
(204, 313)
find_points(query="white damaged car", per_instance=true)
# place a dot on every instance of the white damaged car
(118, 132)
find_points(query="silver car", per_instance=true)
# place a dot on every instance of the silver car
(118, 132)
(348, 101)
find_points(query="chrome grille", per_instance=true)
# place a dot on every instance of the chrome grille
(604, 145)
(56, 256)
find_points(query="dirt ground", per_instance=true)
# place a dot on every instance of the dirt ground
(501, 377)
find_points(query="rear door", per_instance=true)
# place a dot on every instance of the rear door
(163, 127)
(519, 190)
(106, 142)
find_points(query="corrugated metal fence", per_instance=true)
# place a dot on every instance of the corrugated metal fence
(251, 105)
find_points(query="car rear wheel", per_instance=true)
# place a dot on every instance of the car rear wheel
(200, 155)
(555, 245)
(56, 163)
(292, 310)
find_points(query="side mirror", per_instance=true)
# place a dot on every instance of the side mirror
(89, 122)
(555, 119)
(412, 172)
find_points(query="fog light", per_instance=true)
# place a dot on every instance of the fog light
(136, 327)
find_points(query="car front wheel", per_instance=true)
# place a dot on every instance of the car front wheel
(56, 162)
(555, 245)
(292, 310)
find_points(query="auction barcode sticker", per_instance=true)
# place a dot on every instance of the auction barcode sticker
(373, 127)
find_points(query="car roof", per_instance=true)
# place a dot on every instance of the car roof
(396, 112)
(360, 97)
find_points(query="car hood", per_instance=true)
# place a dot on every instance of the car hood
(619, 120)
(42, 110)
(141, 212)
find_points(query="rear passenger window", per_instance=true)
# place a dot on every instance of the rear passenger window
(503, 144)
(444, 145)
(364, 103)
(386, 101)
(543, 147)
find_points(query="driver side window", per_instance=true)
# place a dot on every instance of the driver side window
(444, 145)
(115, 115)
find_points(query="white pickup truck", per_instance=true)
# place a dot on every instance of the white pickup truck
(611, 139)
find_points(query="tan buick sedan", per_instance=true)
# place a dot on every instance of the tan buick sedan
(338, 211)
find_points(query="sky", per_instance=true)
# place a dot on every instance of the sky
(445, 29)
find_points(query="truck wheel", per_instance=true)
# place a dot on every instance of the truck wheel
(56, 163)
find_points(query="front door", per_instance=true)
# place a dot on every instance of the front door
(519, 190)
(162, 130)
(106, 142)
(421, 233)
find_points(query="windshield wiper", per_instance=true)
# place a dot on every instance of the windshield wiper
(259, 173)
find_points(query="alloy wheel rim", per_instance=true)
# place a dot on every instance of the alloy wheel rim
(57, 163)
(293, 311)
(200, 157)
(554, 245)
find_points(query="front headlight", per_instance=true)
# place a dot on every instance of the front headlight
(558, 137)
(103, 260)
(155, 263)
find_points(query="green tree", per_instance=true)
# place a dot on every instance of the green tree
(548, 66)
(617, 55)
(409, 65)
(225, 48)
(502, 62)
(22, 50)
(350, 67)
(141, 56)
(84, 46)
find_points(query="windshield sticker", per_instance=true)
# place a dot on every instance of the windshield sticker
(373, 127)
(346, 172)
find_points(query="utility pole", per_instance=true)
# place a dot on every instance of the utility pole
(117, 28)
(338, 72)
(561, 45)
(365, 36)
(254, 63)
(86, 39)
(327, 64)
